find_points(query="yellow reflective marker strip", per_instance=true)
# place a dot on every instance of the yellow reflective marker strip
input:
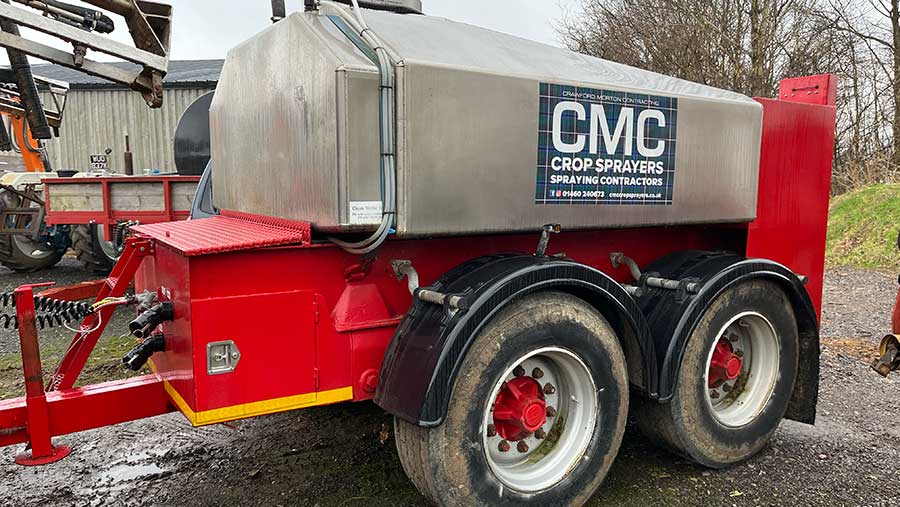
(257, 408)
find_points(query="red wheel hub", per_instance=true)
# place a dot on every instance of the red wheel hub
(519, 409)
(725, 364)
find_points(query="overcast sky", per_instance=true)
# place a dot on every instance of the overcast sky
(206, 29)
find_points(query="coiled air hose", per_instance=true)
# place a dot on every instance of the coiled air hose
(56, 312)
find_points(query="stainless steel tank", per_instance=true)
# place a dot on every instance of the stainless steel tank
(494, 134)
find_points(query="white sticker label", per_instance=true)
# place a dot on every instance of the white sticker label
(365, 212)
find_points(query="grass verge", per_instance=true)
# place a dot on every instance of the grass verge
(105, 363)
(862, 228)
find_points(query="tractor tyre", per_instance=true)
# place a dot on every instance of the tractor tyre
(91, 248)
(536, 415)
(735, 381)
(23, 254)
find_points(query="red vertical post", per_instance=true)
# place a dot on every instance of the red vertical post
(107, 208)
(42, 449)
(167, 199)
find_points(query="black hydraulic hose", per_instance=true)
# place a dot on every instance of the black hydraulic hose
(28, 92)
(140, 354)
(146, 322)
(90, 19)
(28, 145)
(5, 140)
(12, 138)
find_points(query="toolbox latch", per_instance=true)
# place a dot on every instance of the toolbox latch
(222, 357)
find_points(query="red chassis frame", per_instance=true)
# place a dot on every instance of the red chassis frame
(354, 306)
(108, 216)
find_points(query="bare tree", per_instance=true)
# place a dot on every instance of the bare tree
(750, 45)
(743, 45)
(876, 24)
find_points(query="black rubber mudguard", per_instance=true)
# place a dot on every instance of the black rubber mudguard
(717, 272)
(422, 361)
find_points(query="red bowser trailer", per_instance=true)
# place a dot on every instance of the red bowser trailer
(411, 265)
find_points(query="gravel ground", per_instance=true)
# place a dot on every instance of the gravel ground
(857, 303)
(344, 455)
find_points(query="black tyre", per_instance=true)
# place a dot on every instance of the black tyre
(537, 413)
(22, 254)
(95, 253)
(735, 380)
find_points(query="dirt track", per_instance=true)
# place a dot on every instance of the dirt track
(344, 455)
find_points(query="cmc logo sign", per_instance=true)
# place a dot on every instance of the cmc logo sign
(605, 147)
(624, 134)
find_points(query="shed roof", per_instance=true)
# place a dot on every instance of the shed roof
(183, 73)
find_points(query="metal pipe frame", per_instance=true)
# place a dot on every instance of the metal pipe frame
(149, 23)
(26, 218)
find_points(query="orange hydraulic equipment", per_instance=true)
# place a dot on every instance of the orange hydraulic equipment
(32, 150)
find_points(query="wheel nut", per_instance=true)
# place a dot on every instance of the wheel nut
(519, 371)
(537, 373)
(551, 412)
(549, 389)
(522, 446)
(540, 434)
(726, 387)
(491, 430)
(714, 394)
(503, 446)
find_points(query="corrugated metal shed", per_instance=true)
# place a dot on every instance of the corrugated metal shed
(99, 114)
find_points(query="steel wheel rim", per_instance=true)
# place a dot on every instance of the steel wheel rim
(736, 403)
(108, 247)
(33, 249)
(569, 428)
